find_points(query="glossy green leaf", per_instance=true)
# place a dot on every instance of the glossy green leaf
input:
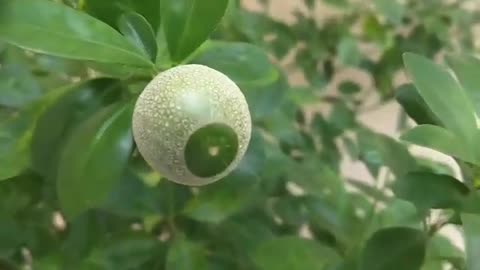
(139, 32)
(56, 123)
(443, 94)
(93, 159)
(16, 135)
(466, 70)
(163, 56)
(53, 28)
(147, 200)
(471, 230)
(186, 255)
(396, 248)
(188, 23)
(217, 202)
(415, 106)
(110, 11)
(244, 63)
(293, 253)
(428, 190)
(440, 139)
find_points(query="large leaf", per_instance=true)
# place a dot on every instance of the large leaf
(471, 227)
(15, 138)
(137, 29)
(440, 139)
(443, 94)
(52, 28)
(244, 63)
(396, 248)
(57, 122)
(466, 69)
(186, 255)
(16, 135)
(293, 253)
(428, 190)
(415, 106)
(188, 23)
(93, 159)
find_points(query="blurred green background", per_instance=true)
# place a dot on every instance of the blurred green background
(326, 184)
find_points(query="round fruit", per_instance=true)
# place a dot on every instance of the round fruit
(192, 124)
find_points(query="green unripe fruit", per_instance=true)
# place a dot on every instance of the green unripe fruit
(192, 124)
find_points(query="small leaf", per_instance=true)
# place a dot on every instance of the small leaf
(471, 230)
(188, 23)
(93, 159)
(440, 139)
(139, 32)
(348, 51)
(396, 248)
(293, 253)
(415, 106)
(186, 255)
(349, 88)
(428, 190)
(391, 9)
(443, 95)
(53, 28)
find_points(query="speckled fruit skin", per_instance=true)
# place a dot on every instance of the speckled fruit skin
(178, 102)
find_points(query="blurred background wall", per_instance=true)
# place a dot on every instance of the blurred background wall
(382, 119)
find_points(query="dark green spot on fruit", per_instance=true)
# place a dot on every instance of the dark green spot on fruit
(211, 149)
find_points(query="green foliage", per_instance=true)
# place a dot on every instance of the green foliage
(188, 23)
(76, 194)
(395, 248)
(55, 29)
(87, 175)
(137, 29)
